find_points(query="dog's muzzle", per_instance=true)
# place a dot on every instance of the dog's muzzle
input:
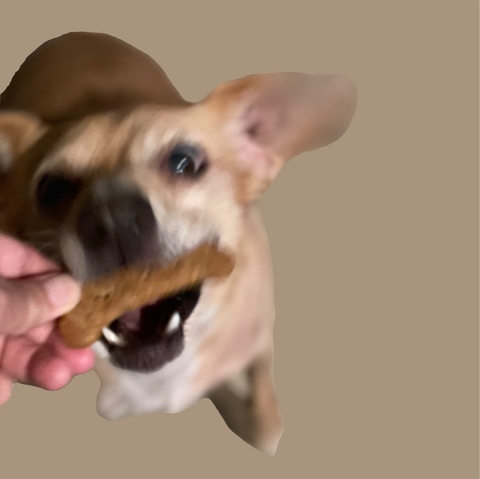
(116, 227)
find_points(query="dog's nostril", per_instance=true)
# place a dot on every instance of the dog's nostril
(116, 227)
(55, 191)
(98, 234)
(134, 228)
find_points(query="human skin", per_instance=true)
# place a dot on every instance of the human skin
(33, 293)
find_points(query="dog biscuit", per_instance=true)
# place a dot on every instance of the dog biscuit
(109, 297)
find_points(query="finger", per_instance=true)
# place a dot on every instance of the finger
(49, 371)
(40, 334)
(18, 259)
(17, 355)
(80, 360)
(6, 386)
(25, 304)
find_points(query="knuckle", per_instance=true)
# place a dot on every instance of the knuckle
(4, 300)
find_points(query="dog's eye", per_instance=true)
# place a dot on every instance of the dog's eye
(186, 160)
(55, 191)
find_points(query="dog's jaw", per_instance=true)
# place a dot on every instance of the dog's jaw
(170, 389)
(149, 337)
(125, 393)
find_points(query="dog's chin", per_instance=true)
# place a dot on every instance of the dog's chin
(146, 339)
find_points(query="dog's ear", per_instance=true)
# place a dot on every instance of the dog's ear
(271, 118)
(18, 131)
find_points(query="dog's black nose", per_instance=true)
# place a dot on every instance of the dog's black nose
(116, 226)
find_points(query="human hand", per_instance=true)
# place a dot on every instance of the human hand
(32, 295)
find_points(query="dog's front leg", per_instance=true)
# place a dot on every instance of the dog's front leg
(249, 406)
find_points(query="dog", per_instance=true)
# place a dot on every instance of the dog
(103, 164)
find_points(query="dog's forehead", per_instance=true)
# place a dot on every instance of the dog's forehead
(112, 140)
(163, 128)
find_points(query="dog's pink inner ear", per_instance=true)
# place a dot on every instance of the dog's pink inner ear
(265, 122)
(271, 118)
(255, 140)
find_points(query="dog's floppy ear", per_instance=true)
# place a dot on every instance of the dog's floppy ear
(18, 131)
(271, 118)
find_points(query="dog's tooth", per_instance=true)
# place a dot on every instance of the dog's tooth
(112, 337)
(174, 322)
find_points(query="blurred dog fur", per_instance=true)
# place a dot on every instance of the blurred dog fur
(104, 164)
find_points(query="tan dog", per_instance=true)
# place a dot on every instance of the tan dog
(104, 165)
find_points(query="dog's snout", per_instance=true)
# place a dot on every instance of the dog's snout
(55, 193)
(116, 226)
(124, 219)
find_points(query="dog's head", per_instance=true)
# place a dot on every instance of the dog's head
(154, 182)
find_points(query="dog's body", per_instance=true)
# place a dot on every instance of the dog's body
(110, 109)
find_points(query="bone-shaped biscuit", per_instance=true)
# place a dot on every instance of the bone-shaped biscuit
(108, 298)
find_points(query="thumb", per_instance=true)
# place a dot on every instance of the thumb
(25, 304)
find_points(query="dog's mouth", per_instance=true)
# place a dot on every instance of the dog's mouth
(151, 336)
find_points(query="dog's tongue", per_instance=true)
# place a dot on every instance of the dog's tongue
(131, 319)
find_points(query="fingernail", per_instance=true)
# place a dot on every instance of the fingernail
(63, 292)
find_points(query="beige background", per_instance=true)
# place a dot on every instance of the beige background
(374, 241)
